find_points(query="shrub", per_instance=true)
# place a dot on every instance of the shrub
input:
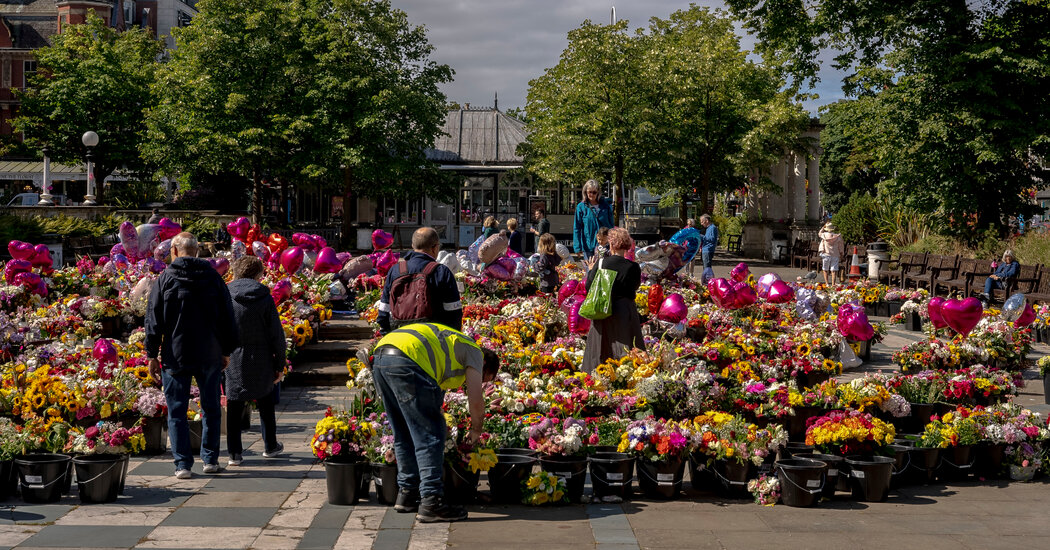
(857, 221)
(727, 225)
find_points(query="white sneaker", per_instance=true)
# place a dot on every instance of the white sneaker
(183, 474)
(212, 468)
(276, 452)
(235, 460)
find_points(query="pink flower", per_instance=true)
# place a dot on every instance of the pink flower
(336, 448)
(91, 433)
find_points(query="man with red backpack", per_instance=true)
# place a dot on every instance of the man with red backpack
(418, 289)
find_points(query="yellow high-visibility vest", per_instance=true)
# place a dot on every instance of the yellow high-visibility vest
(442, 352)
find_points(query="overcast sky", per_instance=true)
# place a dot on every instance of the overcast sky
(500, 45)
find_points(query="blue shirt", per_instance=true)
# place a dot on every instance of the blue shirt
(587, 221)
(1007, 271)
(710, 239)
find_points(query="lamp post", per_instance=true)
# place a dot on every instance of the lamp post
(90, 140)
(45, 186)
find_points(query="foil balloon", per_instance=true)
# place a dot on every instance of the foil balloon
(292, 259)
(577, 323)
(116, 249)
(934, 310)
(497, 271)
(563, 251)
(120, 261)
(129, 238)
(326, 261)
(512, 254)
(337, 291)
(472, 250)
(1013, 307)
(356, 266)
(383, 261)
(962, 315)
(493, 248)
(649, 253)
(20, 250)
(764, 282)
(1027, 317)
(521, 267)
(570, 288)
(451, 261)
(254, 234)
(141, 290)
(655, 298)
(238, 249)
(14, 267)
(104, 352)
(309, 258)
(276, 243)
(40, 289)
(381, 240)
(853, 323)
(149, 237)
(745, 295)
(534, 261)
(721, 292)
(302, 240)
(221, 265)
(27, 279)
(163, 250)
(168, 229)
(630, 254)
(155, 265)
(740, 272)
(260, 251)
(41, 257)
(318, 241)
(689, 238)
(780, 293)
(238, 229)
(281, 291)
(342, 257)
(655, 268)
(673, 309)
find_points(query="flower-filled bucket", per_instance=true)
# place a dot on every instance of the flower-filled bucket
(507, 475)
(99, 477)
(661, 479)
(461, 484)
(385, 477)
(572, 469)
(870, 477)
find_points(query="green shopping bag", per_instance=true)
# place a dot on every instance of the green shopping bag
(598, 303)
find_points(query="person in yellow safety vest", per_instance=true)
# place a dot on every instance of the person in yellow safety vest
(412, 367)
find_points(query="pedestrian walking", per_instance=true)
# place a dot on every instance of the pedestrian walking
(708, 242)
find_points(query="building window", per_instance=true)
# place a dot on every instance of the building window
(7, 73)
(397, 211)
(477, 199)
(28, 70)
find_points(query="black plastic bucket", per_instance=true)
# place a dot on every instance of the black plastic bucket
(99, 477)
(385, 477)
(155, 431)
(801, 481)
(901, 463)
(700, 474)
(461, 485)
(988, 460)
(507, 476)
(366, 482)
(42, 476)
(612, 474)
(797, 423)
(661, 480)
(795, 448)
(835, 476)
(923, 464)
(733, 477)
(956, 463)
(517, 451)
(870, 477)
(572, 469)
(920, 416)
(343, 478)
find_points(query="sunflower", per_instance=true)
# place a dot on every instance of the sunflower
(36, 400)
(802, 349)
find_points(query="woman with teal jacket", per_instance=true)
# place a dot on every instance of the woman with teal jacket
(593, 213)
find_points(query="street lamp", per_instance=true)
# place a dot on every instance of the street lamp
(45, 187)
(90, 139)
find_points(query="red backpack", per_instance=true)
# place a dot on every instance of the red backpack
(411, 295)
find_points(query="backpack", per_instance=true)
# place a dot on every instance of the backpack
(411, 295)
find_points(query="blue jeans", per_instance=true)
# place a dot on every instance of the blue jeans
(413, 405)
(990, 284)
(177, 393)
(705, 259)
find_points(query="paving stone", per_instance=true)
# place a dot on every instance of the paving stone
(13, 535)
(246, 484)
(191, 516)
(99, 536)
(33, 513)
(615, 536)
(320, 538)
(331, 515)
(278, 539)
(154, 496)
(255, 499)
(670, 538)
(394, 520)
(298, 518)
(785, 540)
(200, 537)
(110, 514)
(392, 539)
(429, 536)
(606, 546)
(365, 516)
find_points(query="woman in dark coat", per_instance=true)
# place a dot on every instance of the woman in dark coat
(614, 336)
(258, 363)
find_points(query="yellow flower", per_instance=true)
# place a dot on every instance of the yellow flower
(533, 482)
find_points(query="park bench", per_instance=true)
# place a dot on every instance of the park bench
(800, 253)
(937, 268)
(1042, 287)
(896, 269)
(1026, 281)
(915, 271)
(955, 280)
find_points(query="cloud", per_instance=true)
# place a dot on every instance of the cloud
(500, 45)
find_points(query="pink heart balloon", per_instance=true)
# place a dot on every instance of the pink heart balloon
(764, 282)
(41, 256)
(20, 250)
(238, 229)
(567, 289)
(740, 272)
(383, 261)
(281, 291)
(745, 295)
(853, 323)
(222, 265)
(1027, 317)
(14, 268)
(497, 271)
(962, 315)
(41, 288)
(673, 309)
(104, 352)
(780, 293)
(302, 240)
(381, 240)
(27, 279)
(292, 259)
(326, 261)
(722, 292)
(577, 324)
(343, 257)
(168, 229)
(934, 310)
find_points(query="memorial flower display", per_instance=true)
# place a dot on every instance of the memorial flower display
(849, 432)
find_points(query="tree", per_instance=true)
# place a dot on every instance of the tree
(711, 114)
(958, 93)
(847, 161)
(91, 78)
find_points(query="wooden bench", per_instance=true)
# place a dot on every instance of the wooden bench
(903, 265)
(1026, 281)
(915, 271)
(937, 268)
(800, 253)
(1042, 287)
(733, 243)
(955, 280)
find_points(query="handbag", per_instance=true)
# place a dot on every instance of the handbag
(598, 303)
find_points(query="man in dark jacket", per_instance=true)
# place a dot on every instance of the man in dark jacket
(446, 307)
(189, 321)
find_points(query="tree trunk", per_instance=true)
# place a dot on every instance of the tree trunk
(618, 190)
(348, 187)
(257, 200)
(683, 210)
(283, 208)
(705, 186)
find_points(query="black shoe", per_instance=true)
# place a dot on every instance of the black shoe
(435, 509)
(407, 501)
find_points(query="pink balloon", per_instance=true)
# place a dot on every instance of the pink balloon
(116, 249)
(168, 229)
(302, 240)
(222, 265)
(577, 324)
(318, 241)
(764, 282)
(40, 288)
(740, 272)
(343, 257)
(326, 261)
(745, 295)
(383, 261)
(149, 237)
(512, 254)
(568, 288)
(934, 309)
(962, 315)
(853, 323)
(20, 250)
(27, 279)
(260, 250)
(104, 352)
(497, 271)
(1027, 317)
(507, 263)
(281, 291)
(14, 268)
(722, 292)
(673, 309)
(238, 229)
(163, 250)
(292, 259)
(780, 293)
(381, 240)
(630, 252)
(41, 256)
(129, 238)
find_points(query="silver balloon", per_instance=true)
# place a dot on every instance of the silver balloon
(442, 254)
(1013, 307)
(336, 291)
(649, 253)
(534, 262)
(451, 261)
(521, 267)
(563, 251)
(655, 267)
(238, 249)
(805, 304)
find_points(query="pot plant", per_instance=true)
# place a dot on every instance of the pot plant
(102, 458)
(661, 447)
(465, 460)
(1044, 373)
(339, 441)
(735, 447)
(563, 446)
(1024, 460)
(379, 450)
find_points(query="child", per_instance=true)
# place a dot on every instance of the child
(516, 238)
(548, 264)
(490, 227)
(602, 237)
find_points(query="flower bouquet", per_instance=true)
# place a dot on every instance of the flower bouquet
(849, 433)
(765, 489)
(661, 446)
(731, 438)
(568, 437)
(1024, 460)
(340, 435)
(106, 438)
(544, 488)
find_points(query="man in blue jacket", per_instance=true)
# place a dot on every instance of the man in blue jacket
(446, 307)
(707, 247)
(189, 322)
(593, 213)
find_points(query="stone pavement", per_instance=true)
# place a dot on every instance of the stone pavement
(282, 504)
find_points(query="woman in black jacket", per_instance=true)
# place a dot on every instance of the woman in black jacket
(614, 336)
(258, 363)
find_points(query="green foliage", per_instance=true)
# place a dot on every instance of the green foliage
(900, 225)
(1033, 248)
(847, 162)
(856, 220)
(13, 227)
(728, 225)
(135, 194)
(69, 226)
(203, 228)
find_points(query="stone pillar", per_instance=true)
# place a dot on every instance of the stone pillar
(798, 198)
(815, 206)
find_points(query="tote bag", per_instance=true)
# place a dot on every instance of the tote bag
(598, 303)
